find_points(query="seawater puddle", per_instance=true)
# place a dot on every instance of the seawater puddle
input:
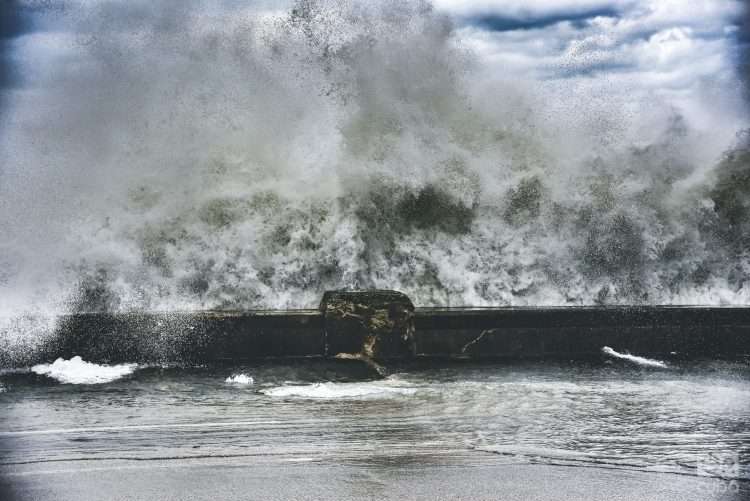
(609, 415)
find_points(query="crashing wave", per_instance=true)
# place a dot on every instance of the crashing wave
(348, 145)
(78, 371)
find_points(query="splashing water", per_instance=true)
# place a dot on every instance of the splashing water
(367, 390)
(240, 379)
(78, 371)
(206, 158)
(647, 362)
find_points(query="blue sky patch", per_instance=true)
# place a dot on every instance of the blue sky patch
(498, 22)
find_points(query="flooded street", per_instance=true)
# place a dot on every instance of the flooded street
(321, 429)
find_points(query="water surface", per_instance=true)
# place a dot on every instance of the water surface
(691, 420)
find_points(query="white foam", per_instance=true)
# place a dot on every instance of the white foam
(240, 379)
(202, 199)
(340, 390)
(78, 371)
(647, 362)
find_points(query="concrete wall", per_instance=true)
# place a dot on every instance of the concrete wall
(492, 333)
(189, 337)
(581, 332)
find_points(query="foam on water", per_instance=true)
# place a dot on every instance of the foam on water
(330, 390)
(647, 362)
(78, 371)
(240, 379)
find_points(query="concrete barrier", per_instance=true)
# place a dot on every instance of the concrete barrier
(469, 333)
(581, 332)
(189, 337)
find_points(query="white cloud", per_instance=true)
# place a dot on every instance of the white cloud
(666, 48)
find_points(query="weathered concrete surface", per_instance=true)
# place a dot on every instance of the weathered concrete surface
(187, 337)
(580, 332)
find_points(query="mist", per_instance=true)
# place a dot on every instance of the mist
(199, 155)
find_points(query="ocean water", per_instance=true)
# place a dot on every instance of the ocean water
(691, 420)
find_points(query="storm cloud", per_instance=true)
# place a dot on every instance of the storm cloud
(14, 21)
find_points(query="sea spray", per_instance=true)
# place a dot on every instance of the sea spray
(240, 379)
(202, 156)
(78, 371)
(643, 361)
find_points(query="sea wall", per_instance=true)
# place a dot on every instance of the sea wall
(581, 332)
(465, 333)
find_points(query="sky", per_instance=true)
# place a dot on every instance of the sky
(678, 48)
(12, 25)
(615, 58)
(691, 54)
(685, 51)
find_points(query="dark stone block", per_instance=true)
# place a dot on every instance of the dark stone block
(376, 323)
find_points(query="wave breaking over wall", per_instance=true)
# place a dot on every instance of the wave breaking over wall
(182, 156)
